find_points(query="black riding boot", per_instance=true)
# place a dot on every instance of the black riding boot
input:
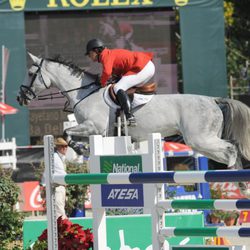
(125, 104)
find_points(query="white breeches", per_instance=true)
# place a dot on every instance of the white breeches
(60, 197)
(140, 78)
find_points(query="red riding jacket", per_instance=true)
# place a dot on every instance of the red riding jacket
(122, 62)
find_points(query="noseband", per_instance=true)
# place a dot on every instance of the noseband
(24, 90)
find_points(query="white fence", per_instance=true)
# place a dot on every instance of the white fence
(8, 154)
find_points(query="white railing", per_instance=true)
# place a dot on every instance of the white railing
(8, 153)
(237, 90)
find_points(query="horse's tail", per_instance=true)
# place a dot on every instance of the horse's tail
(237, 125)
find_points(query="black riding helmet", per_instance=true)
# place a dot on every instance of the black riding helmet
(93, 44)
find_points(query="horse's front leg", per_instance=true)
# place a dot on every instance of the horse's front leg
(243, 186)
(81, 131)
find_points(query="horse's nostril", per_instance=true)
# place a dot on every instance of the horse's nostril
(20, 100)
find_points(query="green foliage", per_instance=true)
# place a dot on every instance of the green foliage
(224, 216)
(41, 245)
(218, 193)
(237, 24)
(10, 220)
(76, 194)
(123, 211)
(228, 13)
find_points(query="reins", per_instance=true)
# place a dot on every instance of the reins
(90, 86)
(51, 95)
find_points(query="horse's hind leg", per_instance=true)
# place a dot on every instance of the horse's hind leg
(214, 148)
(220, 151)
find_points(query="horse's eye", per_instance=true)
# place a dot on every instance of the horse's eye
(30, 74)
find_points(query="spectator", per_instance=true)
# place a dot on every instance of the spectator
(59, 168)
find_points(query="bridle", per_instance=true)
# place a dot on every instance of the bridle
(28, 94)
(24, 90)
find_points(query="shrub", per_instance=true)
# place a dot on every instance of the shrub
(10, 220)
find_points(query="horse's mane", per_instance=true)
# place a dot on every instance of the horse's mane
(76, 70)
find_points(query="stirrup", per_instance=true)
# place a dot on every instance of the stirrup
(131, 122)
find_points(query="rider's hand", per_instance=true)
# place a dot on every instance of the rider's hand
(104, 85)
(110, 81)
(42, 192)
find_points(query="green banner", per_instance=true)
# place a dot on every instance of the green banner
(12, 37)
(118, 164)
(46, 5)
(128, 226)
(204, 54)
(125, 195)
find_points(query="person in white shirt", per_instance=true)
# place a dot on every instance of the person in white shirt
(59, 168)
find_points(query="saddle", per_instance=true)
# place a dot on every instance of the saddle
(147, 89)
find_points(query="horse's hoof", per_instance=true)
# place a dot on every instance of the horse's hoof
(79, 150)
(131, 122)
(76, 147)
(244, 190)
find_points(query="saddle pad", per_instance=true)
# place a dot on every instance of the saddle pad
(138, 100)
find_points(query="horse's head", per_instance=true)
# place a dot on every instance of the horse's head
(36, 80)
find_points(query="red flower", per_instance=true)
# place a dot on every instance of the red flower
(70, 236)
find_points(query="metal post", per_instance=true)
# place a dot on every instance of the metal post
(155, 159)
(50, 192)
(99, 212)
(3, 74)
(3, 95)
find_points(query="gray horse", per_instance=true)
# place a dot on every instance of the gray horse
(215, 127)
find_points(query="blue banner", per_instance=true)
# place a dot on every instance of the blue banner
(130, 195)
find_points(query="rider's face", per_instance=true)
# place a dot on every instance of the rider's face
(93, 56)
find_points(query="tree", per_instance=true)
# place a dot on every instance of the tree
(237, 24)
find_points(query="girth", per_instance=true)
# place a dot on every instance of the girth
(224, 107)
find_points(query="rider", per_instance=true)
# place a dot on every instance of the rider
(133, 69)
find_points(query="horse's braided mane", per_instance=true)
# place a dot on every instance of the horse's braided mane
(76, 70)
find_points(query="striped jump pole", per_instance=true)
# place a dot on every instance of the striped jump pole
(237, 232)
(183, 177)
(241, 204)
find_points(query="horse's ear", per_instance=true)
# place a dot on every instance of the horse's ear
(35, 59)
